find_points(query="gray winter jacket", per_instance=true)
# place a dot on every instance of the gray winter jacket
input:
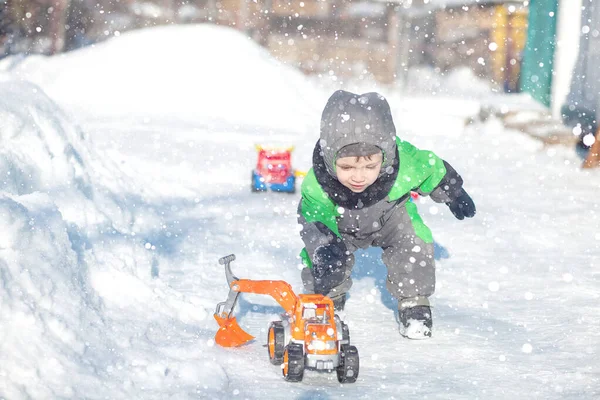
(329, 211)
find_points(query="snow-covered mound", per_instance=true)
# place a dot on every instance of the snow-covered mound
(38, 143)
(205, 72)
(43, 151)
(67, 261)
(51, 325)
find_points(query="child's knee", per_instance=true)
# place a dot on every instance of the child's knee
(408, 286)
(407, 258)
(411, 271)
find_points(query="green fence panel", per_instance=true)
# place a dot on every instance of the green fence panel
(536, 72)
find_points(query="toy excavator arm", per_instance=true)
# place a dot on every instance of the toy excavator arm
(281, 291)
(230, 333)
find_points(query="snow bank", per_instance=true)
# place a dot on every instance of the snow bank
(38, 144)
(201, 72)
(51, 322)
(78, 298)
(77, 327)
(43, 151)
(49, 316)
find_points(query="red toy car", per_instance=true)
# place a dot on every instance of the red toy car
(274, 170)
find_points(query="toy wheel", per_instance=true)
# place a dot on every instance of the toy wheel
(291, 182)
(252, 185)
(275, 342)
(293, 363)
(347, 372)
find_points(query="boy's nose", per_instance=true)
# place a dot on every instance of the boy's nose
(358, 177)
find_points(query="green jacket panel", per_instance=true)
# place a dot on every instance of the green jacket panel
(316, 206)
(419, 169)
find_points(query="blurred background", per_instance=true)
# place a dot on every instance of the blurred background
(546, 48)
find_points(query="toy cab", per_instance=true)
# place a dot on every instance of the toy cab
(315, 338)
(274, 170)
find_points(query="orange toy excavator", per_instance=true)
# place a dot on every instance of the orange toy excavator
(310, 335)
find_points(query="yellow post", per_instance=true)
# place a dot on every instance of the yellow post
(509, 34)
(499, 36)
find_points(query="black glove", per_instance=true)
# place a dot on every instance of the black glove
(329, 265)
(328, 259)
(462, 206)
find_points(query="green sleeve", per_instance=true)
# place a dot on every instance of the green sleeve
(419, 169)
(316, 206)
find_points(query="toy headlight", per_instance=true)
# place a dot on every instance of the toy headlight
(320, 345)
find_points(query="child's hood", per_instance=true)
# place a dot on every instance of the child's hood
(350, 118)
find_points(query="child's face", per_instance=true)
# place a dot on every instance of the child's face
(358, 173)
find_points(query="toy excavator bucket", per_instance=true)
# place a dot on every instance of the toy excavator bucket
(230, 334)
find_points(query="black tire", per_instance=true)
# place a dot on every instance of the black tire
(275, 342)
(345, 333)
(293, 363)
(347, 372)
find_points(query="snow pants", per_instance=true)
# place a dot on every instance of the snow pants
(409, 259)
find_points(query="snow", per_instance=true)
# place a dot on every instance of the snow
(125, 173)
(128, 77)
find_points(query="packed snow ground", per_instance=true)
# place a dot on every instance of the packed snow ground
(125, 176)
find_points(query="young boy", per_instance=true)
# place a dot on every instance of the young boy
(357, 195)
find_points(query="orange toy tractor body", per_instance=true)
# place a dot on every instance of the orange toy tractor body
(310, 334)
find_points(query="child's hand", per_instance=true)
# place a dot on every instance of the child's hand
(329, 263)
(327, 259)
(462, 206)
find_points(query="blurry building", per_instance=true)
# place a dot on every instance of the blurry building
(339, 38)
(384, 38)
(487, 36)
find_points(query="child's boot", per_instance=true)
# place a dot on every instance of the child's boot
(415, 319)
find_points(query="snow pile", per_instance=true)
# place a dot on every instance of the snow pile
(50, 321)
(64, 334)
(43, 151)
(51, 318)
(38, 145)
(461, 82)
(69, 265)
(205, 72)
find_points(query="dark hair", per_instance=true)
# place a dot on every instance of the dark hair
(368, 158)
